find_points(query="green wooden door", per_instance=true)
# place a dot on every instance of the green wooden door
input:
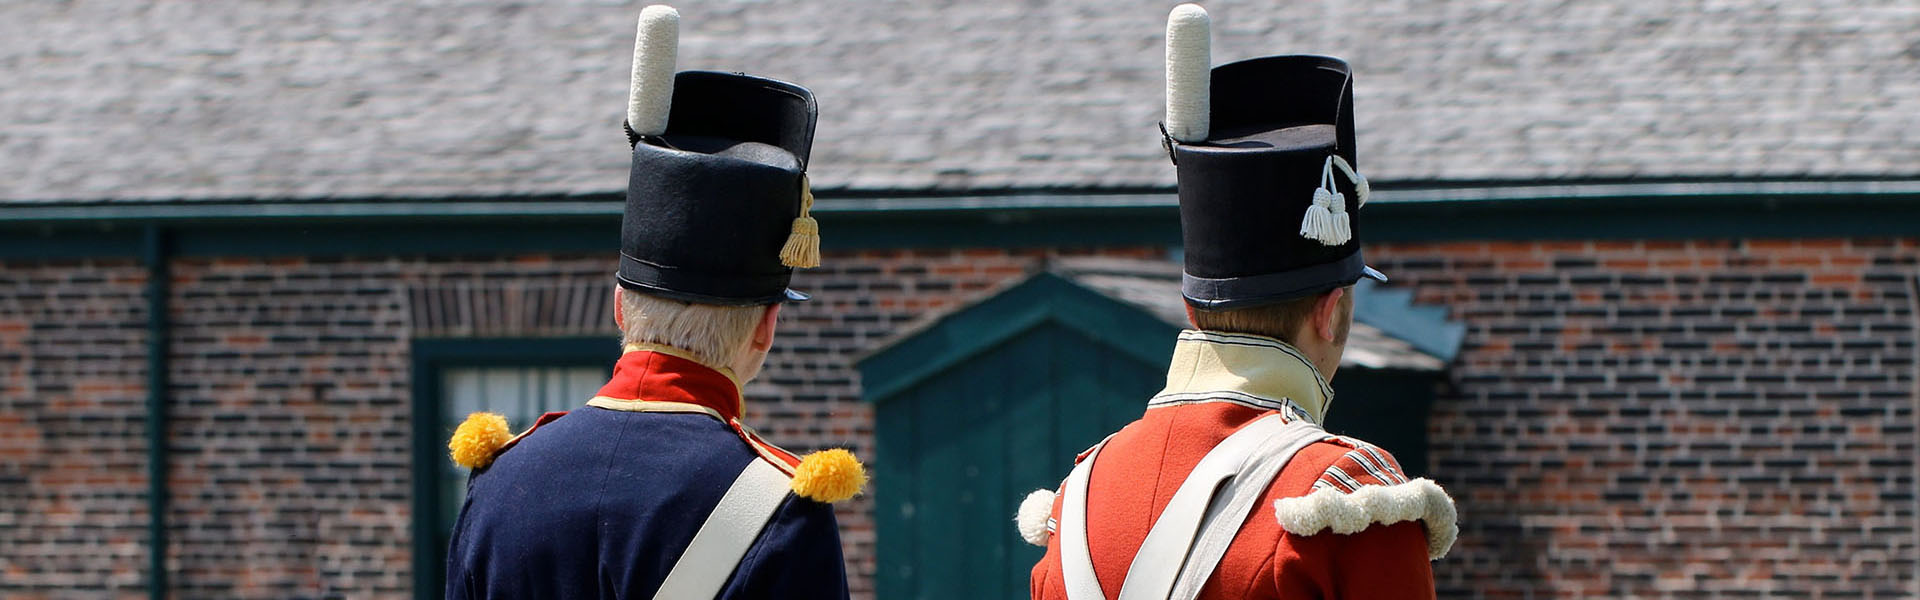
(959, 449)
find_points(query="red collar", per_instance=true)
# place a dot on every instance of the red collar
(650, 376)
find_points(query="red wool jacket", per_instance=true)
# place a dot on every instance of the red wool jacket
(1341, 520)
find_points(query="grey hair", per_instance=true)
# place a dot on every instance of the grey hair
(714, 335)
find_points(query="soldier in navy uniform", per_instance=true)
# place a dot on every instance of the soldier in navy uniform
(655, 489)
(1227, 486)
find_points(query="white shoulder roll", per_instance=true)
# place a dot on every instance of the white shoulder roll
(656, 49)
(1189, 73)
(1329, 509)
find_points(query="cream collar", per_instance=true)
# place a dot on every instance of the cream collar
(1252, 370)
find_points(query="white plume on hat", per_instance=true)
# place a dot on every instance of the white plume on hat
(656, 47)
(1189, 73)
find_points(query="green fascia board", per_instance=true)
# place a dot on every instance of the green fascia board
(1422, 212)
(1040, 299)
(494, 235)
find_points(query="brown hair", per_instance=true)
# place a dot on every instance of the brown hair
(1278, 321)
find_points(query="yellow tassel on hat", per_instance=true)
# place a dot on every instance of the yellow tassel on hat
(479, 439)
(829, 476)
(803, 245)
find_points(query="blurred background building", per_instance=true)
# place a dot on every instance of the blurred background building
(1652, 319)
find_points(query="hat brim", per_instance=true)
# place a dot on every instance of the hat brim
(794, 295)
(1268, 288)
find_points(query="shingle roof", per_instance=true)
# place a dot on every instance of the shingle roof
(228, 99)
(1154, 286)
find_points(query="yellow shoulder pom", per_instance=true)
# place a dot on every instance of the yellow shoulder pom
(829, 476)
(476, 442)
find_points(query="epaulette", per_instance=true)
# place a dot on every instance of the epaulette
(1363, 464)
(825, 476)
(484, 435)
(1364, 487)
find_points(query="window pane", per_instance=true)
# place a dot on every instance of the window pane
(522, 394)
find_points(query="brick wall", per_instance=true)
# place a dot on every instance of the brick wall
(73, 468)
(290, 471)
(1690, 419)
(1677, 419)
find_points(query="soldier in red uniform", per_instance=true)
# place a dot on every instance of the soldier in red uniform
(1227, 487)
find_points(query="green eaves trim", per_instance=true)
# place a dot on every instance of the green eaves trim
(608, 205)
(1427, 212)
(919, 353)
(1627, 191)
(199, 212)
(1585, 194)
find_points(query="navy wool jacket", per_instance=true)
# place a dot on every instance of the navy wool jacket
(602, 502)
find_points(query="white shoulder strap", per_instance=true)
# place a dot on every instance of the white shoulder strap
(727, 533)
(1217, 495)
(1076, 560)
(1235, 500)
(1164, 551)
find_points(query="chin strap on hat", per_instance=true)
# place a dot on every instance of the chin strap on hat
(1326, 220)
(803, 245)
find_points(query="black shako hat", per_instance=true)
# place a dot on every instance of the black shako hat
(1264, 151)
(717, 202)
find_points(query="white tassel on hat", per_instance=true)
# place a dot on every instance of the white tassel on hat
(1360, 188)
(1326, 220)
(1342, 222)
(656, 47)
(1318, 222)
(1189, 73)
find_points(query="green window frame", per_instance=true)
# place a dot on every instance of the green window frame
(432, 359)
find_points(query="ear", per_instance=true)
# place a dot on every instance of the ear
(619, 316)
(1191, 320)
(763, 333)
(1326, 314)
